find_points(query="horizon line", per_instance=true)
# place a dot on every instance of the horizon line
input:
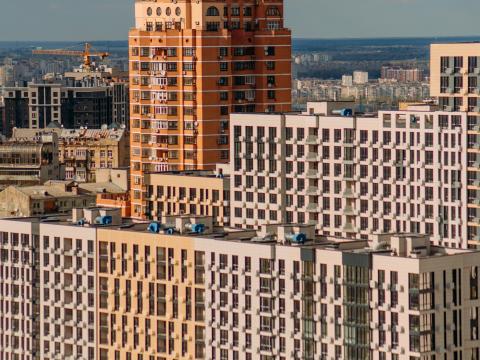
(293, 38)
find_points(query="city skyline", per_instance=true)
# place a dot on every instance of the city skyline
(38, 21)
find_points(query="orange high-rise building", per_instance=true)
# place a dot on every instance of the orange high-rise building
(192, 63)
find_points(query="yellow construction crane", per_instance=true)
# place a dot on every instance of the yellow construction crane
(87, 54)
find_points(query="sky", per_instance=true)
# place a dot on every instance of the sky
(79, 20)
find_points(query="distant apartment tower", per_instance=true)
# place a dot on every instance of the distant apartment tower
(7, 73)
(360, 77)
(354, 176)
(191, 64)
(401, 74)
(2, 115)
(72, 104)
(347, 80)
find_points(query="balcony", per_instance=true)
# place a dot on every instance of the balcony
(311, 140)
(348, 194)
(312, 174)
(349, 211)
(349, 228)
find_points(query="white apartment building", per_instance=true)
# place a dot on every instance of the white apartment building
(400, 171)
(67, 318)
(47, 291)
(393, 298)
(360, 77)
(198, 292)
(18, 309)
(347, 80)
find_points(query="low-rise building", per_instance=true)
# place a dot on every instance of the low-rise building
(189, 193)
(83, 151)
(54, 197)
(29, 161)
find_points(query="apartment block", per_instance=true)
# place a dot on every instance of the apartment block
(351, 176)
(454, 71)
(150, 297)
(182, 289)
(90, 102)
(67, 291)
(48, 290)
(191, 65)
(83, 152)
(30, 162)
(454, 74)
(401, 74)
(19, 311)
(200, 192)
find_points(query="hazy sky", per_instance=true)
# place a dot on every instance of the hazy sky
(111, 19)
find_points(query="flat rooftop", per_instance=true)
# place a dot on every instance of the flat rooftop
(343, 245)
(190, 173)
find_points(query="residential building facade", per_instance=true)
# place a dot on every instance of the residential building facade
(30, 162)
(191, 64)
(71, 103)
(400, 171)
(401, 74)
(128, 290)
(454, 71)
(200, 192)
(82, 152)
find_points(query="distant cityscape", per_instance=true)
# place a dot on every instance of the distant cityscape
(397, 69)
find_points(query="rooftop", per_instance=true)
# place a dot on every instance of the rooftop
(191, 173)
(72, 134)
(405, 245)
(59, 189)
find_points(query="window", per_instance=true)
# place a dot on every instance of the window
(213, 11)
(272, 11)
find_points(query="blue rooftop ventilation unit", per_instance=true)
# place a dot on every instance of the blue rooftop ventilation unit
(81, 222)
(169, 231)
(103, 220)
(343, 112)
(297, 239)
(195, 228)
(154, 227)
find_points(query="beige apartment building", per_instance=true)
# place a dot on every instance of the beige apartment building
(199, 192)
(183, 289)
(82, 152)
(454, 78)
(48, 291)
(351, 176)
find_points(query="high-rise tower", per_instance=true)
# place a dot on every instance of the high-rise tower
(192, 63)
